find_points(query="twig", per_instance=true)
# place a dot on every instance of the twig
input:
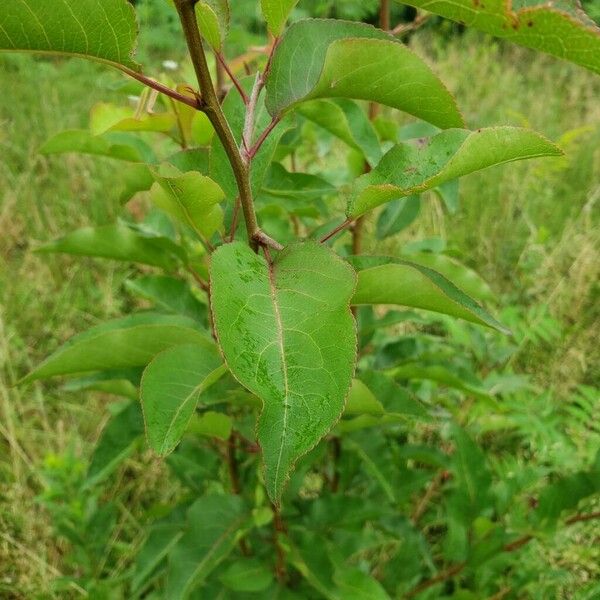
(336, 230)
(234, 219)
(203, 284)
(262, 239)
(403, 28)
(163, 89)
(231, 75)
(432, 489)
(263, 136)
(336, 452)
(278, 529)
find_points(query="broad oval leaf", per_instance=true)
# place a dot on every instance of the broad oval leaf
(171, 387)
(127, 342)
(101, 30)
(331, 59)
(386, 280)
(191, 198)
(347, 121)
(118, 242)
(287, 335)
(213, 19)
(276, 13)
(558, 27)
(214, 524)
(411, 168)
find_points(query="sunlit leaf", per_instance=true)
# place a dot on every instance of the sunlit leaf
(276, 13)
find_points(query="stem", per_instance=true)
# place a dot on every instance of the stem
(336, 230)
(163, 89)
(263, 136)
(336, 452)
(278, 529)
(384, 15)
(221, 60)
(212, 107)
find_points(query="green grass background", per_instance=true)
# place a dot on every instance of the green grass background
(530, 229)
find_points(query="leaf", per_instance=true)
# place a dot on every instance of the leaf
(214, 524)
(127, 342)
(212, 424)
(460, 275)
(276, 13)
(191, 198)
(288, 336)
(102, 30)
(347, 121)
(118, 242)
(411, 168)
(110, 117)
(136, 178)
(558, 27)
(397, 215)
(171, 387)
(247, 575)
(117, 441)
(120, 146)
(353, 584)
(120, 382)
(383, 280)
(169, 294)
(213, 19)
(362, 401)
(333, 58)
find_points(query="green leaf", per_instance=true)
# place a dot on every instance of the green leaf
(288, 336)
(171, 387)
(460, 275)
(361, 401)
(276, 13)
(248, 575)
(120, 382)
(191, 198)
(353, 584)
(213, 19)
(169, 294)
(102, 30)
(118, 242)
(558, 27)
(214, 524)
(127, 342)
(212, 424)
(136, 178)
(332, 59)
(397, 215)
(120, 146)
(110, 117)
(384, 280)
(118, 439)
(411, 168)
(347, 121)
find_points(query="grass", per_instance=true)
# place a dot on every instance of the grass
(530, 229)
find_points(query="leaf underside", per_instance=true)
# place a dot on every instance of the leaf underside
(287, 335)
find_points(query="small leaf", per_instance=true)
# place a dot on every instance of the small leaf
(127, 342)
(169, 294)
(120, 382)
(361, 401)
(353, 584)
(248, 575)
(110, 117)
(287, 334)
(214, 524)
(118, 242)
(347, 121)
(117, 441)
(276, 13)
(191, 198)
(120, 146)
(102, 30)
(397, 215)
(213, 20)
(212, 424)
(333, 59)
(558, 27)
(383, 280)
(411, 168)
(171, 387)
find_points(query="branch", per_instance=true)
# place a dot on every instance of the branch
(335, 230)
(233, 78)
(213, 110)
(163, 89)
(263, 136)
(453, 570)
